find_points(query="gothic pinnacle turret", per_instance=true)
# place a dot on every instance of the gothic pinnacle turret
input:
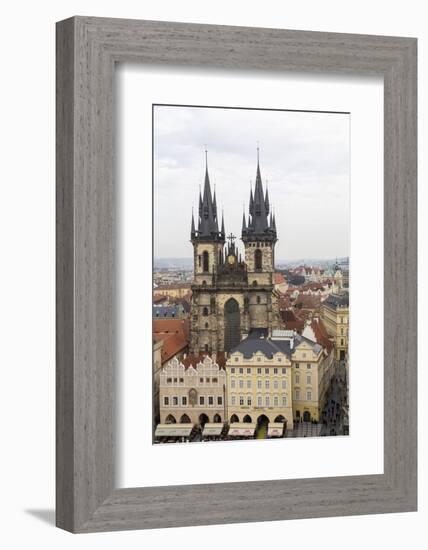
(208, 227)
(259, 226)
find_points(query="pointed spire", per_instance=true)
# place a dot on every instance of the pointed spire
(222, 224)
(200, 202)
(267, 199)
(215, 202)
(207, 220)
(259, 207)
(192, 229)
(244, 223)
(251, 199)
(259, 225)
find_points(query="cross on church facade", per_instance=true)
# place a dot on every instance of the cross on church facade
(231, 238)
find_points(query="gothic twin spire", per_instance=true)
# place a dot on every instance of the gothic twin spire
(260, 224)
(207, 214)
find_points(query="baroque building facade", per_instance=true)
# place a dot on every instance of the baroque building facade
(231, 295)
(193, 395)
(335, 315)
(278, 379)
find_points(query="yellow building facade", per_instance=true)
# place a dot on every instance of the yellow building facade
(179, 290)
(307, 371)
(277, 379)
(335, 315)
(259, 386)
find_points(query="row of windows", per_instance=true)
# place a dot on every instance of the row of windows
(214, 380)
(267, 370)
(308, 395)
(266, 401)
(258, 244)
(259, 384)
(259, 370)
(308, 379)
(173, 401)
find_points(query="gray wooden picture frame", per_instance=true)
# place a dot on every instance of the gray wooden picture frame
(87, 50)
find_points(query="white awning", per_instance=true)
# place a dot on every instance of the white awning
(242, 429)
(173, 430)
(213, 429)
(275, 429)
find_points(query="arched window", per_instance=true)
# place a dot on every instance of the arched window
(258, 259)
(232, 324)
(254, 283)
(206, 325)
(205, 311)
(205, 261)
(234, 418)
(206, 348)
(258, 299)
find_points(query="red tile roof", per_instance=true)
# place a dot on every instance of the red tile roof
(278, 278)
(171, 326)
(174, 334)
(192, 360)
(171, 345)
(307, 301)
(159, 298)
(291, 321)
(321, 334)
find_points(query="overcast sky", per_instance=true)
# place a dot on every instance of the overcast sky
(303, 156)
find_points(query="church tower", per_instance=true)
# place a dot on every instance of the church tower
(259, 238)
(208, 243)
(232, 298)
(259, 235)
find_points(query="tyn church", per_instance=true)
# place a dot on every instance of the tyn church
(232, 298)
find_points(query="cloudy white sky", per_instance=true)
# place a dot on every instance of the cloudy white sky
(304, 157)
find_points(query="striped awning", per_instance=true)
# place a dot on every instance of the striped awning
(275, 429)
(212, 429)
(242, 429)
(173, 430)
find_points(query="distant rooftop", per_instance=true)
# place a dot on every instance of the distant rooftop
(167, 312)
(270, 346)
(337, 300)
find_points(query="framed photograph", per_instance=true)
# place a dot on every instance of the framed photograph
(236, 274)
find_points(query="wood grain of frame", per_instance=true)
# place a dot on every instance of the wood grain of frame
(87, 50)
